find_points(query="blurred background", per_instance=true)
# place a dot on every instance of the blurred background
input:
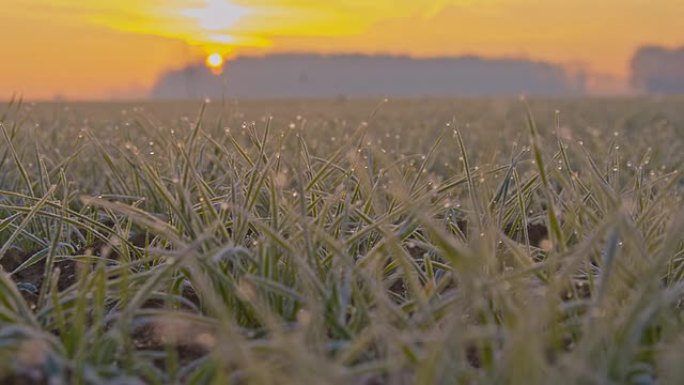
(187, 49)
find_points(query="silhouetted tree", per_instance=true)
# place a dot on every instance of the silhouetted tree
(658, 70)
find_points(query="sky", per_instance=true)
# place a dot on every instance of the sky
(100, 49)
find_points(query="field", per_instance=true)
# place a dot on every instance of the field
(343, 242)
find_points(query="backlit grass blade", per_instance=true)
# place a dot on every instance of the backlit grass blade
(554, 224)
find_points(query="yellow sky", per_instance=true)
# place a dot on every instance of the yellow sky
(102, 48)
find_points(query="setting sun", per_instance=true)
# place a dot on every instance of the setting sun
(214, 60)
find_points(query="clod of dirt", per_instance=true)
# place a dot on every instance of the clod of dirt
(190, 341)
(30, 279)
(536, 231)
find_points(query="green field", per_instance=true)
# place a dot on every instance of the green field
(343, 242)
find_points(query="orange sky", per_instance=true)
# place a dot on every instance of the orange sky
(84, 49)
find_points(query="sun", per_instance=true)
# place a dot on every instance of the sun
(215, 61)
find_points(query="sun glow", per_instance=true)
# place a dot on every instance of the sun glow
(217, 15)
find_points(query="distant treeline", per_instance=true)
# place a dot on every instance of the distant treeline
(654, 70)
(313, 76)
